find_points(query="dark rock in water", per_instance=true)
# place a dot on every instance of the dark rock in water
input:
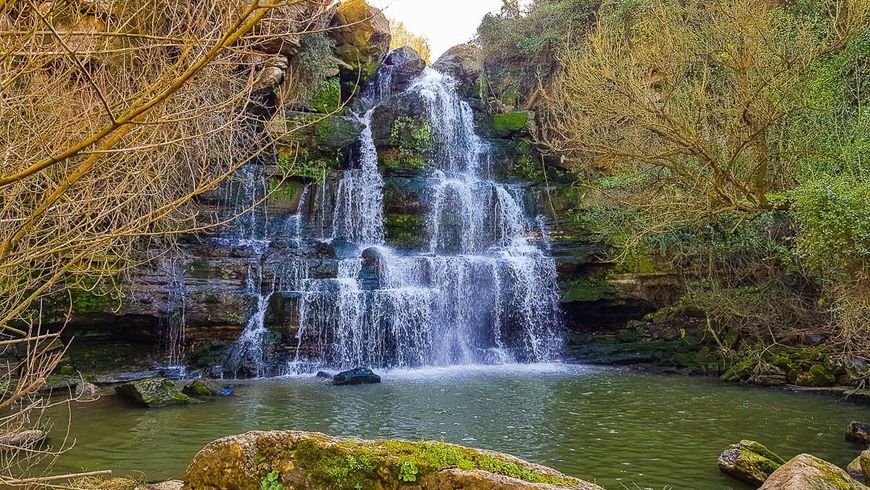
(201, 388)
(406, 65)
(87, 392)
(152, 393)
(23, 439)
(323, 375)
(356, 376)
(807, 472)
(858, 432)
(749, 461)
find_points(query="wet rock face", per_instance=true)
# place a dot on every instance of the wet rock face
(749, 461)
(807, 472)
(405, 64)
(304, 460)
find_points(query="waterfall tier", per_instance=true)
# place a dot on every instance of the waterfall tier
(480, 288)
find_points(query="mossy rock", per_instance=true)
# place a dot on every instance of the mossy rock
(153, 393)
(749, 461)
(304, 460)
(327, 97)
(818, 375)
(201, 388)
(509, 123)
(807, 472)
(405, 231)
(338, 131)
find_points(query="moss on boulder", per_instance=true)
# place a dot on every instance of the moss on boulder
(153, 393)
(509, 123)
(304, 460)
(201, 388)
(807, 472)
(864, 461)
(749, 461)
(327, 97)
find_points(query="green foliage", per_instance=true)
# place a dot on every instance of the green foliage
(356, 465)
(314, 63)
(834, 219)
(327, 97)
(519, 44)
(408, 472)
(272, 481)
(506, 124)
(413, 139)
(302, 162)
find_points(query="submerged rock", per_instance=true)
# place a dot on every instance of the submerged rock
(356, 376)
(858, 432)
(152, 393)
(23, 439)
(201, 388)
(323, 375)
(807, 472)
(87, 392)
(305, 460)
(749, 461)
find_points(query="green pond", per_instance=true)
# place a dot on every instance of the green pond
(620, 428)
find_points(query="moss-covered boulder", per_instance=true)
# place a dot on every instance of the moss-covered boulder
(807, 472)
(305, 460)
(153, 393)
(855, 470)
(201, 388)
(858, 432)
(749, 461)
(864, 461)
(507, 124)
(362, 39)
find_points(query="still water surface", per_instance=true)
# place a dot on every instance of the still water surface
(619, 428)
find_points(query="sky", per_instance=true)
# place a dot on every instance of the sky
(445, 23)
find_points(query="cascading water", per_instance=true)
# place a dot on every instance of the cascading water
(482, 291)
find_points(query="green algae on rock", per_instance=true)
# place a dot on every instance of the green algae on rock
(153, 393)
(305, 460)
(807, 472)
(749, 461)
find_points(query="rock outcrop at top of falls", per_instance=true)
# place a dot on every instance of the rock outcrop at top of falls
(306, 460)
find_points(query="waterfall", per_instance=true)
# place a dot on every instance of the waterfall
(482, 291)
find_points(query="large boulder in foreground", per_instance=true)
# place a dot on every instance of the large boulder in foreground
(153, 393)
(749, 461)
(307, 460)
(864, 461)
(807, 472)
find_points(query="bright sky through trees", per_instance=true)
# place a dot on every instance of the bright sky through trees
(445, 23)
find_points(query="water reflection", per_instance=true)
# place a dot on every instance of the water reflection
(616, 427)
